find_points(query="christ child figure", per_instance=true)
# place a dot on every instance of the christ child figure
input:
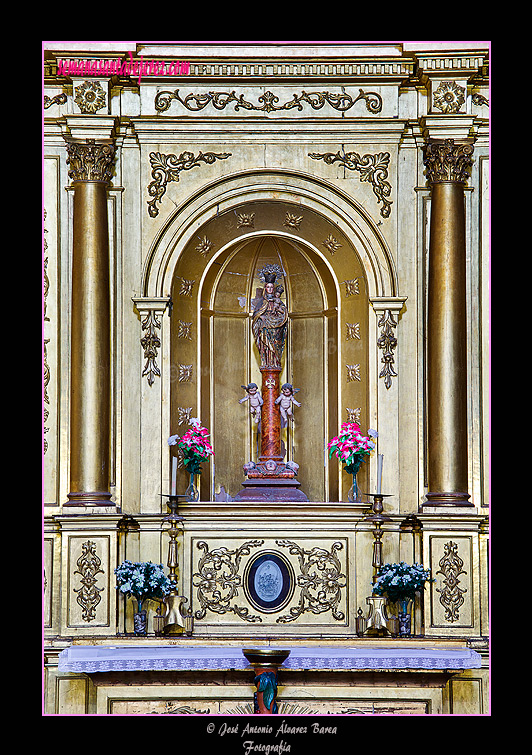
(255, 400)
(286, 399)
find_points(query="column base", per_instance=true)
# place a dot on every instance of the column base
(448, 499)
(94, 498)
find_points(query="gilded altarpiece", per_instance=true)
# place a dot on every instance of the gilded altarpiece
(314, 164)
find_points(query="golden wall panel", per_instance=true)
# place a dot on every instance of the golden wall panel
(318, 573)
(453, 594)
(238, 700)
(51, 331)
(89, 582)
(49, 577)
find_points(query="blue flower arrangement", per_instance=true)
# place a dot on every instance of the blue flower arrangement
(142, 581)
(400, 582)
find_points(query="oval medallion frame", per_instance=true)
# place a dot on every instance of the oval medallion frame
(269, 581)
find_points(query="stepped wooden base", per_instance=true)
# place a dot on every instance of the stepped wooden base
(271, 489)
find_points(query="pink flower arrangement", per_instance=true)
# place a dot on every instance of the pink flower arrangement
(194, 445)
(351, 447)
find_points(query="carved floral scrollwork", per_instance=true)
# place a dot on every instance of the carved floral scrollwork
(150, 343)
(321, 581)
(88, 595)
(387, 342)
(451, 596)
(218, 580)
(372, 168)
(166, 168)
(341, 101)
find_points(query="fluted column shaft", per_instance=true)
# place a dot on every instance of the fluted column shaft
(90, 391)
(447, 165)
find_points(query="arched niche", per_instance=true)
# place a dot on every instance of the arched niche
(213, 353)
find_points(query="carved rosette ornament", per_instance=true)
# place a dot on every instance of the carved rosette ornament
(447, 161)
(90, 161)
(90, 97)
(449, 97)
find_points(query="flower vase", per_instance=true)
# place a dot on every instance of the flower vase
(140, 622)
(192, 492)
(405, 617)
(352, 495)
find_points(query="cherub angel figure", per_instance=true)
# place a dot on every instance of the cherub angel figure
(286, 399)
(255, 400)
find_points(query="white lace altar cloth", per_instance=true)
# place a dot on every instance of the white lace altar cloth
(91, 658)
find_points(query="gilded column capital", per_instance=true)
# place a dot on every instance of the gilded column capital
(447, 161)
(90, 160)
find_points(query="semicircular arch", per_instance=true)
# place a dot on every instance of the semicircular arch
(233, 195)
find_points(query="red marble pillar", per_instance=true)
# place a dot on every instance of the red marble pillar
(270, 441)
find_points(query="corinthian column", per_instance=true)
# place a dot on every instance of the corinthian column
(91, 166)
(447, 169)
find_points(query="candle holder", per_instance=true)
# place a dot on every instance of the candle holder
(377, 517)
(377, 623)
(177, 619)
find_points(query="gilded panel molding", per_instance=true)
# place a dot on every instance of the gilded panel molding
(341, 101)
(166, 168)
(372, 168)
(451, 595)
(46, 368)
(88, 595)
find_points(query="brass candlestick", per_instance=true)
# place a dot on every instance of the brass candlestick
(377, 623)
(378, 518)
(177, 619)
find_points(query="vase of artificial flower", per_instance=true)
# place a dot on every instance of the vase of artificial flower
(141, 581)
(405, 617)
(352, 448)
(400, 583)
(196, 448)
(140, 622)
(192, 493)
